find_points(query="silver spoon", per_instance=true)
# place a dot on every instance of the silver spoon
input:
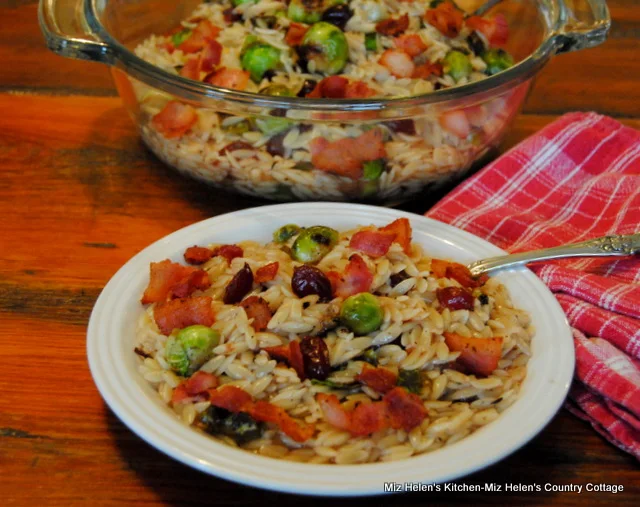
(599, 247)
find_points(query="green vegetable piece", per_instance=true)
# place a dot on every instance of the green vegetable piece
(240, 2)
(285, 233)
(180, 37)
(371, 41)
(313, 243)
(239, 425)
(327, 47)
(362, 313)
(457, 65)
(372, 169)
(238, 128)
(411, 380)
(258, 58)
(277, 90)
(370, 356)
(309, 11)
(497, 60)
(334, 385)
(272, 125)
(189, 349)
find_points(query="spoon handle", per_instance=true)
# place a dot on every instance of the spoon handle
(599, 247)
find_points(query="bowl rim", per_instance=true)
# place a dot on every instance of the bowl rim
(394, 107)
(134, 405)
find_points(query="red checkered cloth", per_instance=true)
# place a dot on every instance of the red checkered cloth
(577, 179)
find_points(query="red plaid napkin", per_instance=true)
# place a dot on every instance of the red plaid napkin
(578, 178)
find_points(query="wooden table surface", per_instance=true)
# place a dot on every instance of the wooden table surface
(79, 195)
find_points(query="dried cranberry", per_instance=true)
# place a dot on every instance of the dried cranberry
(403, 126)
(275, 144)
(307, 280)
(239, 286)
(397, 278)
(315, 355)
(304, 127)
(231, 16)
(338, 15)
(476, 43)
(455, 298)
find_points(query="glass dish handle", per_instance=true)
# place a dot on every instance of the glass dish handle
(66, 31)
(586, 24)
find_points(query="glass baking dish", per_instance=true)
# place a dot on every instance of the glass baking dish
(429, 139)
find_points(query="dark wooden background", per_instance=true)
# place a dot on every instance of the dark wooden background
(79, 195)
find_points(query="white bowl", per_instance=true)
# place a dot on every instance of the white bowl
(110, 343)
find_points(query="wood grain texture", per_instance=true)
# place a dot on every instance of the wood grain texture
(80, 195)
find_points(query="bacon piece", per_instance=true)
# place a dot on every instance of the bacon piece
(367, 418)
(402, 229)
(427, 69)
(257, 309)
(229, 252)
(480, 355)
(373, 243)
(202, 33)
(456, 122)
(495, 29)
(333, 87)
(179, 313)
(446, 18)
(358, 90)
(198, 280)
(191, 69)
(268, 412)
(378, 379)
(210, 56)
(200, 382)
(392, 26)
(266, 273)
(234, 79)
(457, 272)
(165, 275)
(346, 156)
(405, 409)
(412, 44)
(175, 119)
(235, 145)
(398, 62)
(455, 298)
(231, 398)
(333, 412)
(197, 254)
(295, 34)
(356, 278)
(290, 354)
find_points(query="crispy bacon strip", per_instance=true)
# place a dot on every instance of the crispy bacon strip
(355, 279)
(229, 252)
(267, 272)
(447, 18)
(457, 272)
(479, 355)
(235, 399)
(179, 313)
(295, 34)
(290, 354)
(412, 44)
(175, 119)
(201, 34)
(402, 229)
(398, 409)
(197, 254)
(495, 29)
(168, 278)
(372, 243)
(405, 409)
(195, 388)
(378, 379)
(231, 398)
(346, 156)
(425, 70)
(235, 79)
(393, 26)
(257, 309)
